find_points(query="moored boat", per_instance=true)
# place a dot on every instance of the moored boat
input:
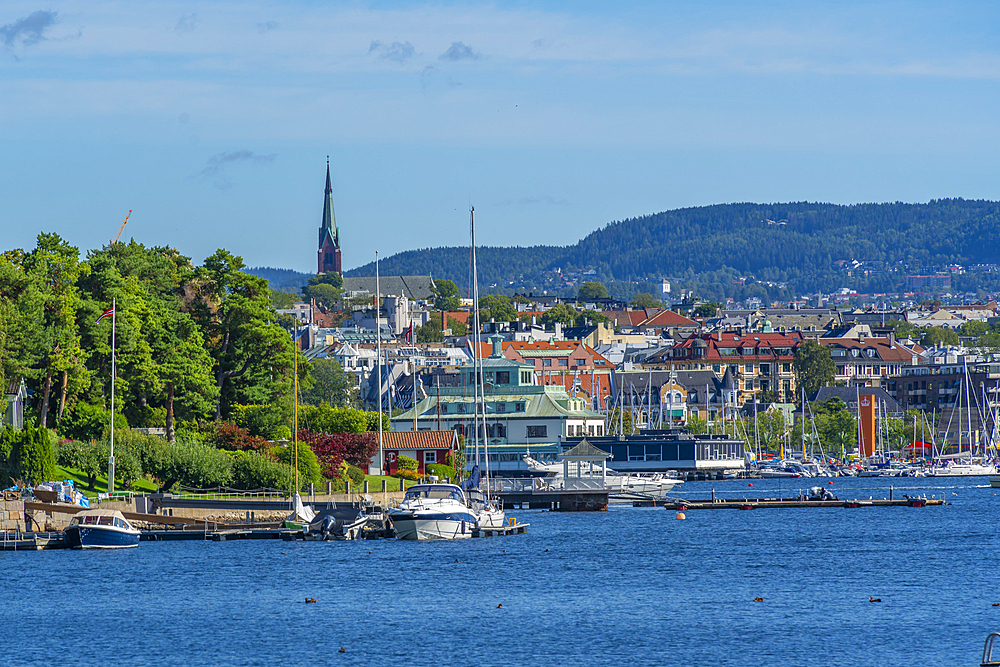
(437, 512)
(101, 529)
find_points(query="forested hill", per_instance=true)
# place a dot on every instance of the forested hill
(493, 264)
(794, 244)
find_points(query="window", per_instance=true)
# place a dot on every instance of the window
(748, 368)
(546, 362)
(786, 368)
(564, 362)
(503, 377)
(600, 430)
(537, 431)
(501, 407)
(519, 407)
(590, 431)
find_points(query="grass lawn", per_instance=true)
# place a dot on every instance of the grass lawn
(391, 483)
(81, 480)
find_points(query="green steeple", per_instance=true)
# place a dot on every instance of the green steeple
(329, 225)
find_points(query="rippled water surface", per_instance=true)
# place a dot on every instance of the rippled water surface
(629, 586)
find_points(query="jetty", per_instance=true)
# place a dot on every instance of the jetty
(796, 502)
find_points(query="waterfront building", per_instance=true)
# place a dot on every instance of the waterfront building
(867, 362)
(523, 415)
(425, 447)
(758, 362)
(676, 450)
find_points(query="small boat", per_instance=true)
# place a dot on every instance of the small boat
(101, 529)
(434, 512)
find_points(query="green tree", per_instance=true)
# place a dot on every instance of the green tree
(938, 335)
(430, 332)
(331, 383)
(496, 307)
(646, 300)
(592, 290)
(592, 315)
(904, 329)
(446, 295)
(458, 327)
(838, 431)
(281, 300)
(560, 313)
(619, 422)
(813, 366)
(707, 309)
(326, 295)
(974, 328)
(253, 355)
(697, 425)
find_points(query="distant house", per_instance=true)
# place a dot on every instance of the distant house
(427, 447)
(16, 394)
(418, 288)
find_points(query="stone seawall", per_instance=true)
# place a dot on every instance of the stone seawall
(12, 515)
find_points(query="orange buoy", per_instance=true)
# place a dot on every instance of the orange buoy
(751, 483)
(681, 516)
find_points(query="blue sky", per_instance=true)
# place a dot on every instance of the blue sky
(213, 120)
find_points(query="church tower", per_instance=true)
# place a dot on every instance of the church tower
(328, 256)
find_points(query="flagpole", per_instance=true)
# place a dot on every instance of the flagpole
(378, 361)
(111, 458)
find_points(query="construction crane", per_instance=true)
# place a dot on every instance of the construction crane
(122, 228)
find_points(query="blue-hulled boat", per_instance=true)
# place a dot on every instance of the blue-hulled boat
(101, 529)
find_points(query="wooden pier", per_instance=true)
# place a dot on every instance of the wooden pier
(680, 505)
(514, 528)
(17, 541)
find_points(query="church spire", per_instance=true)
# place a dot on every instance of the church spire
(329, 235)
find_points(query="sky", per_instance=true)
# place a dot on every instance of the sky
(212, 121)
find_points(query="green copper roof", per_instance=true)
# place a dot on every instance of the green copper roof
(329, 225)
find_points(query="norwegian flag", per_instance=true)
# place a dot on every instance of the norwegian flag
(408, 336)
(106, 313)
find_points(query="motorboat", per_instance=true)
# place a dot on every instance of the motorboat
(101, 529)
(654, 485)
(442, 512)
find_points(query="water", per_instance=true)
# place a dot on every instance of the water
(629, 586)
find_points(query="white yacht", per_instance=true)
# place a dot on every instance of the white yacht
(970, 469)
(655, 485)
(443, 512)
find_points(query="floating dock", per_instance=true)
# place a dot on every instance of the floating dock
(681, 505)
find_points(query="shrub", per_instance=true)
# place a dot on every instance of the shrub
(356, 475)
(442, 471)
(89, 422)
(192, 465)
(411, 475)
(406, 463)
(309, 470)
(259, 420)
(234, 438)
(332, 449)
(254, 470)
(27, 454)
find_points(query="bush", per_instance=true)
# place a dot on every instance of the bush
(193, 465)
(332, 449)
(89, 422)
(356, 475)
(253, 470)
(309, 470)
(411, 475)
(442, 471)
(234, 438)
(259, 420)
(27, 454)
(406, 463)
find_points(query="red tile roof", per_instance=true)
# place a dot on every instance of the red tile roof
(668, 318)
(418, 439)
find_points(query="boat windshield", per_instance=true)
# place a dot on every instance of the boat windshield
(433, 492)
(106, 521)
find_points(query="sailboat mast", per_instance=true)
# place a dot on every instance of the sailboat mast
(478, 364)
(968, 406)
(295, 409)
(111, 458)
(378, 359)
